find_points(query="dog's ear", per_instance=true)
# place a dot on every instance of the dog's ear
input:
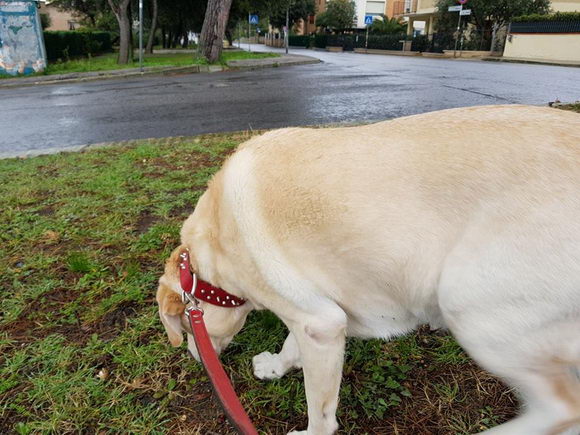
(170, 311)
(171, 307)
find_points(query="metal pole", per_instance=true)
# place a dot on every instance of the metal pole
(287, 27)
(249, 43)
(457, 35)
(367, 39)
(141, 35)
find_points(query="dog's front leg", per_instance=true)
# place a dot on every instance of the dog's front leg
(274, 366)
(321, 340)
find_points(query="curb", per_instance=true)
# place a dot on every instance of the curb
(531, 62)
(103, 75)
(274, 64)
(135, 72)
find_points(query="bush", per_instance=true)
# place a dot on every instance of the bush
(347, 42)
(320, 40)
(64, 45)
(384, 42)
(558, 16)
(420, 43)
(45, 21)
(300, 41)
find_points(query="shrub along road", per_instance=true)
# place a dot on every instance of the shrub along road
(347, 87)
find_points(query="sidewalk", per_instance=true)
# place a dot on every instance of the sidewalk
(532, 61)
(244, 64)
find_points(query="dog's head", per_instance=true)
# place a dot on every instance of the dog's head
(221, 323)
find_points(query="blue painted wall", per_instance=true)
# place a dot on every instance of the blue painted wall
(21, 42)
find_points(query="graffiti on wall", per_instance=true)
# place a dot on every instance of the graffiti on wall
(21, 42)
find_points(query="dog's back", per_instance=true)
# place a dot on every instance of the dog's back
(471, 216)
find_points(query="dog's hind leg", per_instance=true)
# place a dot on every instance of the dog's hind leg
(541, 364)
(551, 404)
(274, 366)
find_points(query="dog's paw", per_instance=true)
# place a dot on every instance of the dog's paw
(298, 432)
(268, 366)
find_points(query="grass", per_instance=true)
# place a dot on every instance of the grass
(109, 62)
(83, 239)
(573, 107)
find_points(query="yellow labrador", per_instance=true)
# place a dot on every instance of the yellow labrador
(467, 218)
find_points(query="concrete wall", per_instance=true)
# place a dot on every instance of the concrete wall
(21, 41)
(544, 46)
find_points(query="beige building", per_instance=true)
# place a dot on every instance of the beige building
(309, 26)
(546, 47)
(59, 20)
(418, 13)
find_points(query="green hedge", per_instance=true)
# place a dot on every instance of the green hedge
(320, 40)
(64, 45)
(384, 42)
(300, 41)
(558, 16)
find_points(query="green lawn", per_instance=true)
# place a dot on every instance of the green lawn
(83, 240)
(109, 62)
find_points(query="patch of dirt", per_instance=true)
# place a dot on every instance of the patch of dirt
(183, 211)
(21, 330)
(199, 408)
(145, 220)
(46, 211)
(60, 296)
(118, 317)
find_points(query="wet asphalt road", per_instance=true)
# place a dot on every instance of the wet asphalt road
(346, 87)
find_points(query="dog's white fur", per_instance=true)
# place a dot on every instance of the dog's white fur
(468, 219)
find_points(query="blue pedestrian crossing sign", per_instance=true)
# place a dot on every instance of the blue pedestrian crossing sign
(368, 20)
(254, 19)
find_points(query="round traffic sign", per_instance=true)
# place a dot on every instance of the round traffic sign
(462, 1)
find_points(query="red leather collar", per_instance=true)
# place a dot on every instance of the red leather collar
(203, 290)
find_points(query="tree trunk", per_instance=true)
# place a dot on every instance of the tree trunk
(214, 27)
(163, 38)
(149, 47)
(122, 14)
(230, 37)
(185, 41)
(131, 39)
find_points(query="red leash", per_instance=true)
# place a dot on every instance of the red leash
(192, 290)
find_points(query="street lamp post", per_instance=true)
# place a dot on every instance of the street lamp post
(287, 27)
(141, 35)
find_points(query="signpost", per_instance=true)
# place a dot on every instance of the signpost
(141, 35)
(368, 22)
(462, 12)
(252, 19)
